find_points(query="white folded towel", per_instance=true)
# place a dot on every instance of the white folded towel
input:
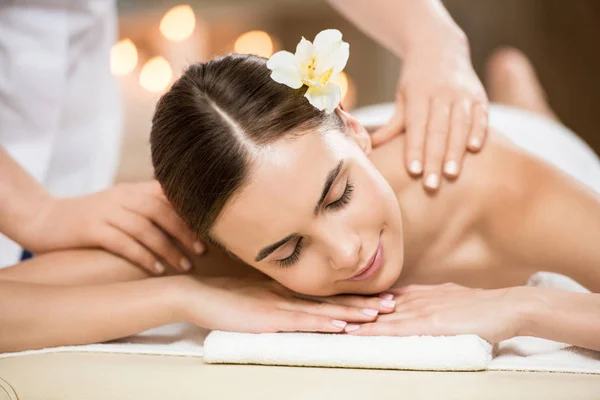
(443, 353)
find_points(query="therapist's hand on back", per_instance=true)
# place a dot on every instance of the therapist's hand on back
(132, 220)
(442, 107)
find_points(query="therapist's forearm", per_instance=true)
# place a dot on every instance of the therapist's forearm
(404, 26)
(21, 196)
(36, 316)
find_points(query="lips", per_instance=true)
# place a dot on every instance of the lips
(373, 265)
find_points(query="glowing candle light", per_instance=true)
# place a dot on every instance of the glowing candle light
(254, 42)
(178, 23)
(156, 74)
(123, 57)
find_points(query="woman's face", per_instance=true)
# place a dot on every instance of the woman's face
(315, 213)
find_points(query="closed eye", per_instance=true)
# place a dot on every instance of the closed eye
(344, 199)
(339, 203)
(286, 262)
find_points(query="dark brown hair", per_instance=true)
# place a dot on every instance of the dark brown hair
(205, 127)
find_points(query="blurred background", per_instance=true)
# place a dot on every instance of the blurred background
(158, 38)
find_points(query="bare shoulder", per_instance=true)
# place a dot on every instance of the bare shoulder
(503, 178)
(536, 216)
(511, 182)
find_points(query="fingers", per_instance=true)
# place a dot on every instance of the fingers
(436, 142)
(152, 237)
(393, 128)
(479, 127)
(297, 321)
(125, 246)
(460, 129)
(335, 311)
(383, 305)
(439, 134)
(416, 122)
(162, 214)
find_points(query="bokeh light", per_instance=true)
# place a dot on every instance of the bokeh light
(342, 80)
(123, 57)
(348, 89)
(254, 42)
(156, 74)
(178, 23)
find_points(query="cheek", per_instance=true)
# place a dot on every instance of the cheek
(309, 276)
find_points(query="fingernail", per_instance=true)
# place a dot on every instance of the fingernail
(475, 142)
(386, 296)
(351, 327)
(415, 167)
(370, 312)
(388, 303)
(158, 267)
(432, 181)
(338, 324)
(199, 247)
(451, 168)
(186, 264)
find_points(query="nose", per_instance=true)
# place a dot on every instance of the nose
(344, 247)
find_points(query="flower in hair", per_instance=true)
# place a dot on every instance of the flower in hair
(315, 65)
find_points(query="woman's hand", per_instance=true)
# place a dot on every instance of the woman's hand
(263, 306)
(134, 221)
(446, 310)
(442, 106)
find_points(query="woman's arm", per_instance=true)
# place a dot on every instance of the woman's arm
(98, 267)
(558, 315)
(36, 316)
(80, 297)
(73, 268)
(495, 315)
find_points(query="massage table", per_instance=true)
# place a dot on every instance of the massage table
(90, 376)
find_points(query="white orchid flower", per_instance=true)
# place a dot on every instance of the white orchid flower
(314, 65)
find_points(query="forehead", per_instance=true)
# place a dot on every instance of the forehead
(284, 185)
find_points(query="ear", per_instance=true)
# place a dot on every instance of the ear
(355, 130)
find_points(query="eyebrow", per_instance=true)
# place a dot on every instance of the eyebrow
(331, 177)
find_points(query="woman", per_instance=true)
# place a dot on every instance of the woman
(253, 167)
(489, 229)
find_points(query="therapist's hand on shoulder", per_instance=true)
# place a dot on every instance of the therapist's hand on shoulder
(442, 108)
(132, 220)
